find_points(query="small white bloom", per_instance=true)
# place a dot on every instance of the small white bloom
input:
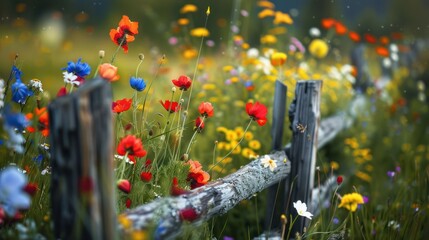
(301, 208)
(70, 78)
(36, 84)
(268, 162)
(253, 53)
(314, 32)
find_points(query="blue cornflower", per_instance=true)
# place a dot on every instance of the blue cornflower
(20, 92)
(12, 197)
(16, 72)
(38, 159)
(137, 83)
(15, 120)
(78, 68)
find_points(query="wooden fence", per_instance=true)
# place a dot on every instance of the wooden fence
(82, 152)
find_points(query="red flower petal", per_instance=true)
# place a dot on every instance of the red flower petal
(124, 185)
(188, 214)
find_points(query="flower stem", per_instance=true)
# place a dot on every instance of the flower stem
(123, 165)
(193, 136)
(232, 150)
(291, 225)
(117, 49)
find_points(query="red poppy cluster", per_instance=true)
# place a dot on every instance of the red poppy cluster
(132, 146)
(42, 120)
(124, 33)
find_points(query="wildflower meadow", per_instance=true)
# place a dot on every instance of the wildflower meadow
(191, 118)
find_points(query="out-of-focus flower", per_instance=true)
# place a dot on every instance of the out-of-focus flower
(266, 4)
(268, 39)
(257, 112)
(188, 214)
(281, 17)
(170, 106)
(108, 72)
(42, 121)
(71, 78)
(266, 161)
(339, 180)
(278, 58)
(266, 13)
(200, 32)
(318, 48)
(328, 23)
(176, 190)
(80, 69)
(196, 176)
(12, 196)
(199, 124)
(36, 86)
(206, 109)
(188, 8)
(314, 32)
(183, 82)
(62, 92)
(121, 105)
(132, 146)
(301, 209)
(370, 38)
(350, 201)
(340, 29)
(14, 120)
(354, 36)
(146, 176)
(137, 83)
(189, 53)
(382, 51)
(124, 33)
(183, 21)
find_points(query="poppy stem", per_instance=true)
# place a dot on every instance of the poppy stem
(193, 136)
(123, 165)
(117, 49)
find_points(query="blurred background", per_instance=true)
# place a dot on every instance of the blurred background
(43, 31)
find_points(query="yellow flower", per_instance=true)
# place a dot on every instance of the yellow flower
(247, 153)
(209, 86)
(352, 142)
(239, 103)
(222, 129)
(278, 58)
(335, 165)
(363, 176)
(266, 13)
(318, 48)
(139, 235)
(221, 145)
(248, 136)
(216, 168)
(227, 68)
(190, 53)
(282, 18)
(231, 136)
(266, 4)
(188, 8)
(183, 21)
(350, 201)
(200, 32)
(239, 131)
(268, 39)
(277, 31)
(255, 144)
(237, 149)
(124, 221)
(245, 46)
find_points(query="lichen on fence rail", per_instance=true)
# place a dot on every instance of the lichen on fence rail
(167, 215)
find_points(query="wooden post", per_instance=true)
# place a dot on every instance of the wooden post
(275, 198)
(358, 60)
(305, 126)
(82, 190)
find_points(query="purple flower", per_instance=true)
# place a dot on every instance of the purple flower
(365, 199)
(390, 174)
(173, 41)
(335, 221)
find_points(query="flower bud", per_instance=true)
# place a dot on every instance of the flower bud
(101, 54)
(141, 56)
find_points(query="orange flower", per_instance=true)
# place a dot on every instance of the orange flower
(370, 38)
(124, 33)
(278, 58)
(42, 119)
(196, 176)
(121, 105)
(206, 109)
(382, 51)
(266, 4)
(354, 36)
(340, 29)
(188, 8)
(108, 72)
(328, 23)
(200, 32)
(282, 18)
(183, 21)
(384, 40)
(266, 13)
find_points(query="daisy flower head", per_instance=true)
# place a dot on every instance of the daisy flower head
(268, 162)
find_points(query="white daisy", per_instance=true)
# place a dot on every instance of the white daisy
(268, 162)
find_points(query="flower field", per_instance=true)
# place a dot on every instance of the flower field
(194, 104)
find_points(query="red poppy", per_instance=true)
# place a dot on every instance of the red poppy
(170, 106)
(124, 33)
(124, 185)
(121, 105)
(146, 176)
(340, 29)
(62, 92)
(257, 112)
(382, 51)
(131, 145)
(31, 188)
(176, 190)
(370, 38)
(183, 82)
(328, 23)
(188, 214)
(354, 36)
(199, 124)
(206, 109)
(128, 203)
(198, 179)
(339, 180)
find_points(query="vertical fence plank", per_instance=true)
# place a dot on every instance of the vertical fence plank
(82, 193)
(304, 126)
(275, 199)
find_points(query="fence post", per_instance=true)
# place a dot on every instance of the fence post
(82, 186)
(275, 206)
(304, 126)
